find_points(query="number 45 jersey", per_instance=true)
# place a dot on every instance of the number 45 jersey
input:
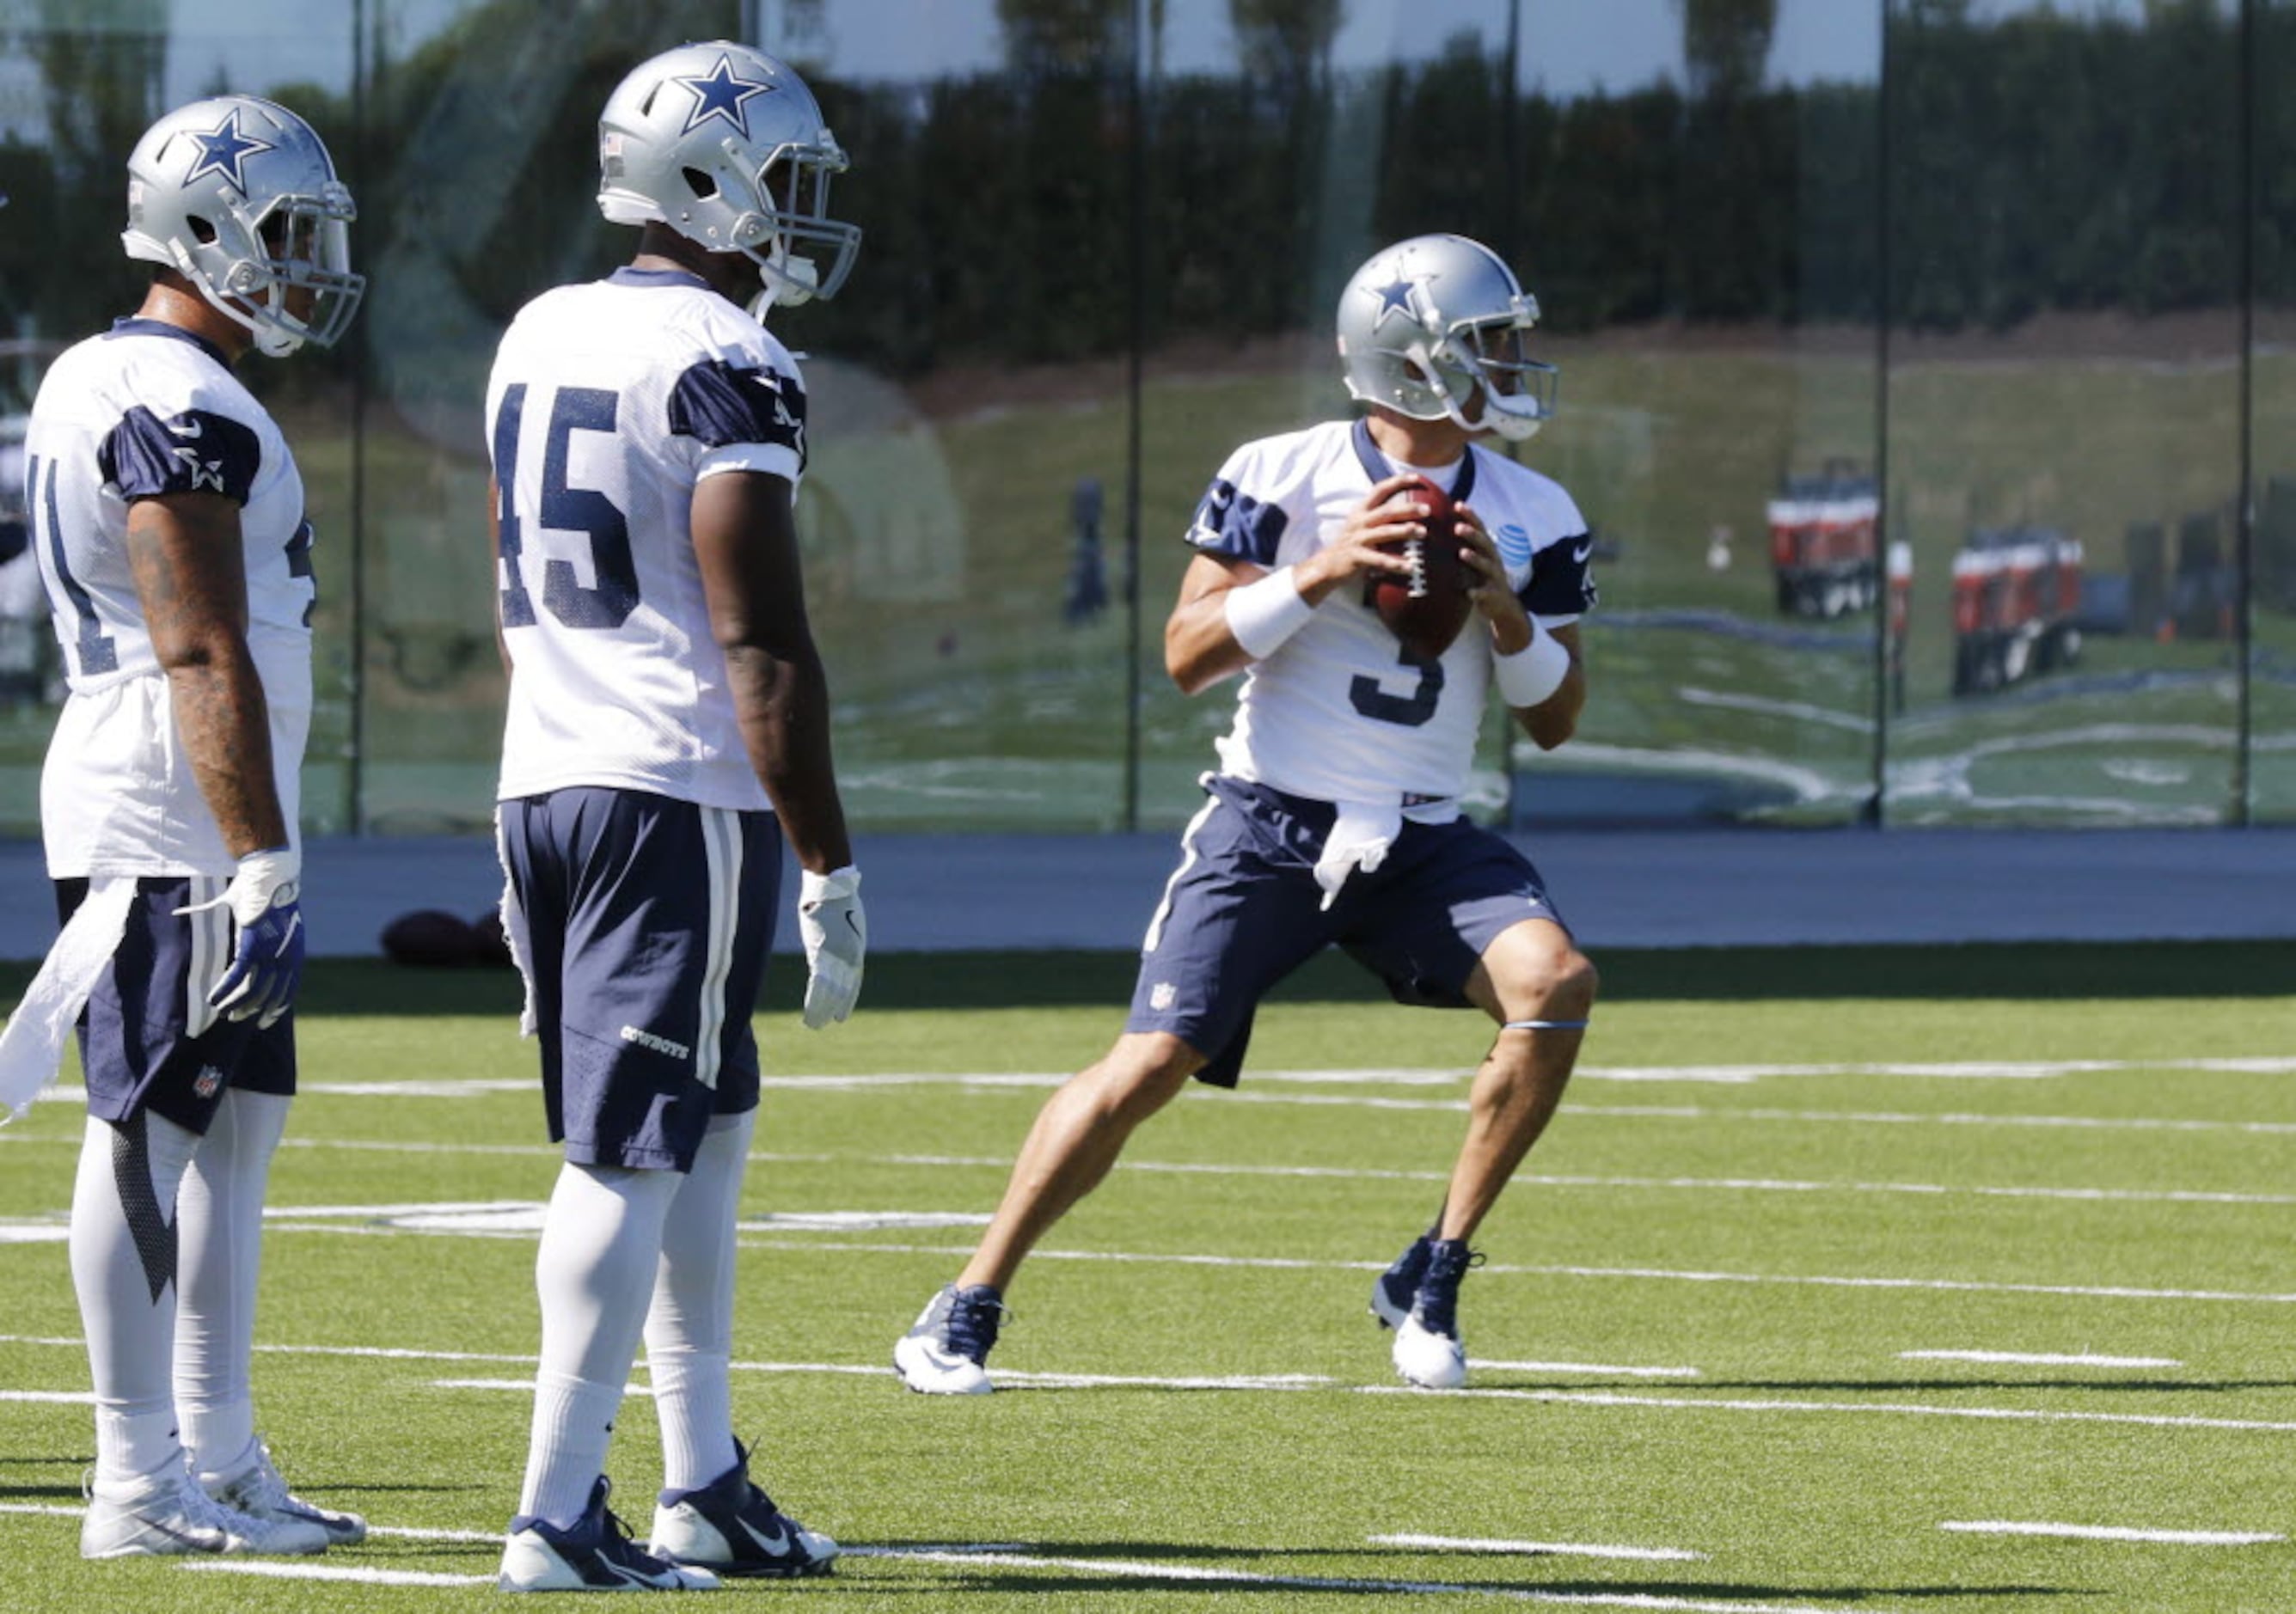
(609, 402)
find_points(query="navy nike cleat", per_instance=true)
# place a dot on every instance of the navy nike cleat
(1391, 1296)
(947, 1353)
(595, 1555)
(731, 1527)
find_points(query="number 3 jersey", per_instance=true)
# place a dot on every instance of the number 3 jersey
(149, 409)
(1341, 712)
(610, 402)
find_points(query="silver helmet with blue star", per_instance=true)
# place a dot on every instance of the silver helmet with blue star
(1437, 326)
(238, 195)
(727, 147)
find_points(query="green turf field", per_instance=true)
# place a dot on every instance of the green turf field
(1841, 1274)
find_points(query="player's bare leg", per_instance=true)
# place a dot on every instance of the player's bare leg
(1075, 1139)
(1540, 990)
(1069, 1149)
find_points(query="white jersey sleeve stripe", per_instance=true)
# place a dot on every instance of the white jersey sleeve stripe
(771, 458)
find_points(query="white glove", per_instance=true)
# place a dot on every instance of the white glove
(267, 963)
(836, 933)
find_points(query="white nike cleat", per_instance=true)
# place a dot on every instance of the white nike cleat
(1430, 1360)
(168, 1514)
(595, 1554)
(258, 1491)
(1429, 1351)
(731, 1527)
(946, 1352)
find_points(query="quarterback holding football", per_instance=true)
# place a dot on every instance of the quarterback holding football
(1373, 580)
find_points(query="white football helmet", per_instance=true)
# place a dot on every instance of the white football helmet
(238, 195)
(727, 147)
(1430, 323)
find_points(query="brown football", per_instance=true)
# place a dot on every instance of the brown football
(1426, 608)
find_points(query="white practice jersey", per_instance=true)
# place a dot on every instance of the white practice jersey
(1341, 712)
(609, 403)
(149, 409)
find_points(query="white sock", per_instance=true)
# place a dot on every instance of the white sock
(219, 1220)
(123, 1264)
(601, 1242)
(689, 1332)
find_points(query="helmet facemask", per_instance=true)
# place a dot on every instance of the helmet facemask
(289, 278)
(793, 220)
(1491, 355)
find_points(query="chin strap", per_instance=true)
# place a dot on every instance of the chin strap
(1545, 1025)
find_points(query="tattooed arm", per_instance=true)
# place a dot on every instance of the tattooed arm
(184, 549)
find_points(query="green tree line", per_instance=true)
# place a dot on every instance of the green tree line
(1067, 206)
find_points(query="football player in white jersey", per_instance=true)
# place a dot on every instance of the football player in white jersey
(668, 729)
(167, 517)
(1334, 816)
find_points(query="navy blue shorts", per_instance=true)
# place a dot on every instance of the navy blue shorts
(643, 924)
(1243, 910)
(147, 1039)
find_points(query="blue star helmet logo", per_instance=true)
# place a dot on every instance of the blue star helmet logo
(722, 93)
(1395, 297)
(223, 151)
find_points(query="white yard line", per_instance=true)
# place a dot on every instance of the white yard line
(1678, 1403)
(1602, 1369)
(281, 1569)
(1184, 1573)
(1858, 1117)
(2018, 1359)
(2104, 1532)
(1558, 1549)
(1658, 1275)
(1113, 1567)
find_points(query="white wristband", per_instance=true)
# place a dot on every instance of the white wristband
(1535, 672)
(1263, 614)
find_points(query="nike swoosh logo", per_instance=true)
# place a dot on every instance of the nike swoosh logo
(947, 1360)
(207, 1541)
(193, 430)
(1580, 554)
(850, 920)
(777, 1544)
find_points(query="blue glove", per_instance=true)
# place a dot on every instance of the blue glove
(266, 962)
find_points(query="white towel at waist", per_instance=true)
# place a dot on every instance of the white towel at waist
(1360, 837)
(32, 1044)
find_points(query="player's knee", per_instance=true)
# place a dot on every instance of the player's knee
(1576, 981)
(1142, 1074)
(1553, 983)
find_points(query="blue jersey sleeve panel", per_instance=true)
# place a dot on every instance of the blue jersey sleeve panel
(718, 403)
(194, 452)
(1237, 526)
(1561, 584)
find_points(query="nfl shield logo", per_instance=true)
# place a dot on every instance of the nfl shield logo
(209, 1082)
(1160, 996)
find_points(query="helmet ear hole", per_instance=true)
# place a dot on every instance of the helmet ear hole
(202, 231)
(702, 186)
